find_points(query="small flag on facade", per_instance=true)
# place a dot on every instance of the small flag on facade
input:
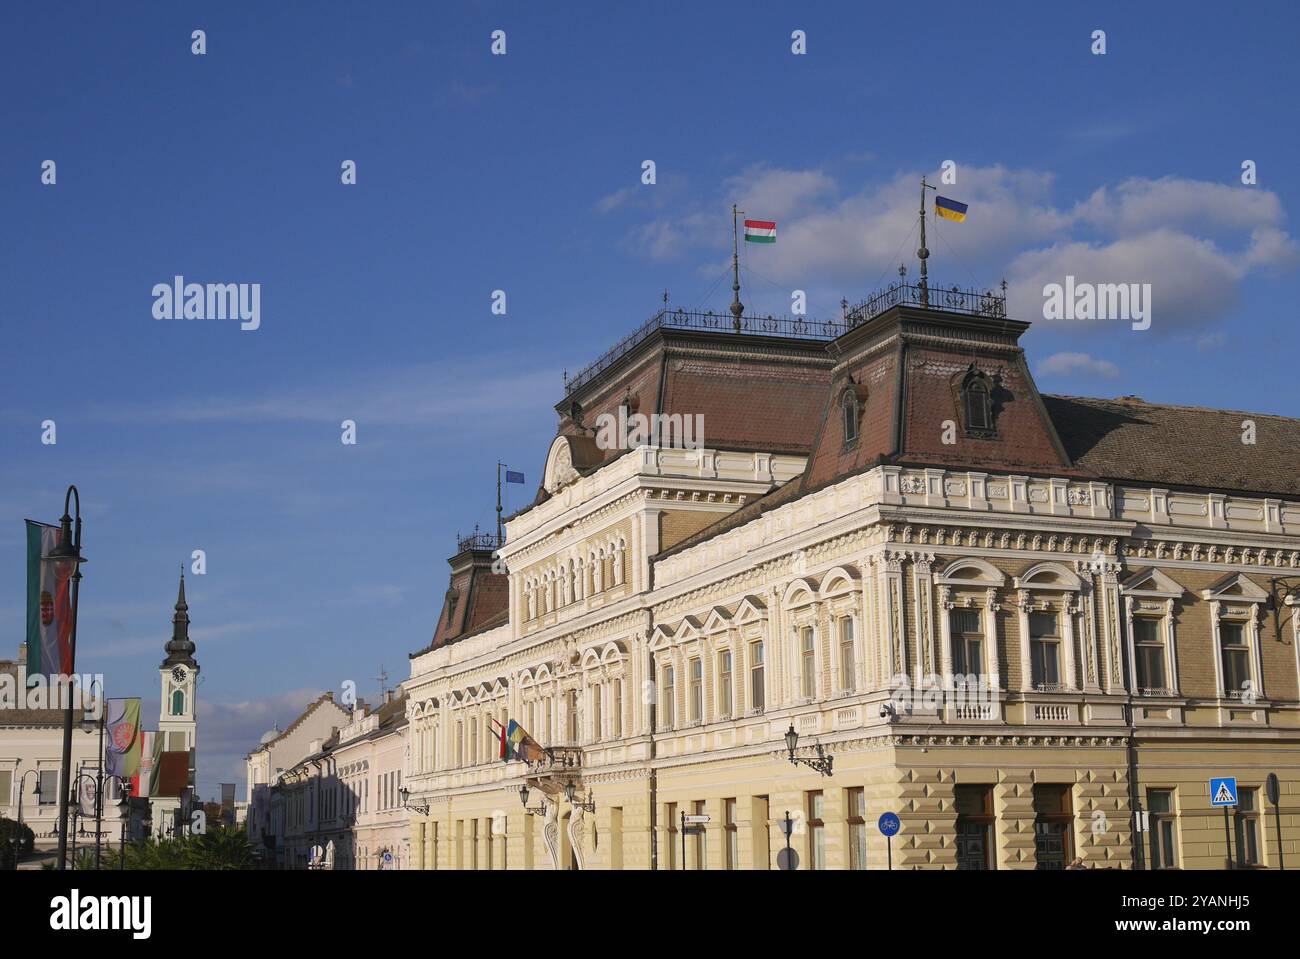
(760, 231)
(949, 209)
(513, 477)
(520, 745)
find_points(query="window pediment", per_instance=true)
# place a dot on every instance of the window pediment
(1048, 576)
(1152, 583)
(969, 571)
(1235, 588)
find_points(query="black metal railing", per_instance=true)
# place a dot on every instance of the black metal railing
(792, 327)
(477, 540)
(952, 299)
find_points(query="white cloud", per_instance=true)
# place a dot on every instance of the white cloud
(1194, 241)
(1077, 364)
(1192, 281)
(423, 394)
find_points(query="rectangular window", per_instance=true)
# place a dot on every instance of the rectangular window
(1044, 651)
(1149, 655)
(1236, 658)
(1247, 828)
(618, 708)
(1053, 827)
(807, 664)
(974, 805)
(698, 835)
(597, 693)
(669, 698)
(816, 830)
(848, 666)
(571, 714)
(1164, 850)
(6, 785)
(697, 690)
(967, 640)
(856, 803)
(724, 683)
(732, 850)
(756, 688)
(671, 816)
(49, 787)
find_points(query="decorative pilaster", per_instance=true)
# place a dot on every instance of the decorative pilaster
(895, 628)
(923, 588)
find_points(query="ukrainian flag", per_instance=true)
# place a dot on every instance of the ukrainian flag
(949, 209)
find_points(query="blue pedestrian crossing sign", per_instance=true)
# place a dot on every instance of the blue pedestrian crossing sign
(1223, 791)
(889, 824)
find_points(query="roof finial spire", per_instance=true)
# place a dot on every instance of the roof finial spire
(180, 648)
(923, 254)
(737, 307)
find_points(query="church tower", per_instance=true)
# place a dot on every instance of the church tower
(179, 675)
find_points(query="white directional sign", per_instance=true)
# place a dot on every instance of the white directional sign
(695, 820)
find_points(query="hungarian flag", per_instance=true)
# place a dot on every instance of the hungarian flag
(123, 749)
(49, 607)
(520, 745)
(760, 231)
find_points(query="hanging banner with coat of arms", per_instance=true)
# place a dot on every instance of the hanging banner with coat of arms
(123, 748)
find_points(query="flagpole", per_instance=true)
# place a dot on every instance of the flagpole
(99, 778)
(737, 307)
(68, 550)
(498, 502)
(923, 254)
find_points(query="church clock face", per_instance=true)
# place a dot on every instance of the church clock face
(178, 674)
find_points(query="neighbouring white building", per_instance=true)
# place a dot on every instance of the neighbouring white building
(31, 759)
(277, 754)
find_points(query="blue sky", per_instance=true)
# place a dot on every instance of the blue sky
(522, 172)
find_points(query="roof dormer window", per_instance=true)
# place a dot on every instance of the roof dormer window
(977, 404)
(850, 414)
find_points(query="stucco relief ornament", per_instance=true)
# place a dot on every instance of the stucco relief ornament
(551, 832)
(578, 835)
(912, 484)
(1078, 497)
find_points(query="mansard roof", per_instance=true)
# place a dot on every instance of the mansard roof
(1130, 440)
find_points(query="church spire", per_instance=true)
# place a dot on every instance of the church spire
(180, 649)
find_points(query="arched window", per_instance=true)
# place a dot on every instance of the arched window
(977, 403)
(850, 410)
(178, 703)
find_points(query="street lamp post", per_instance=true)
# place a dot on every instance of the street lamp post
(22, 785)
(822, 763)
(76, 812)
(415, 807)
(571, 797)
(539, 810)
(126, 821)
(68, 552)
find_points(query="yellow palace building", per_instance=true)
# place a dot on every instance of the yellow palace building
(1033, 627)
